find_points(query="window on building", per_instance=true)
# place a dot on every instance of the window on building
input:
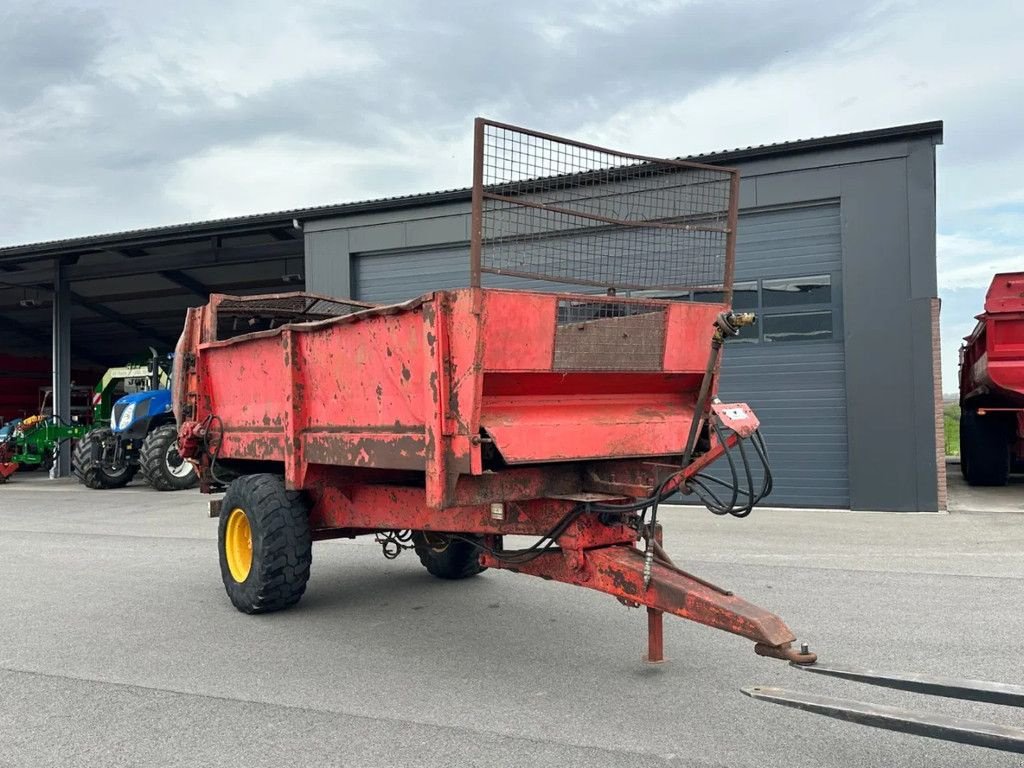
(788, 308)
(797, 326)
(795, 291)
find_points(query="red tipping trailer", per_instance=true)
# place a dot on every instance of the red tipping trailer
(447, 423)
(465, 416)
(992, 386)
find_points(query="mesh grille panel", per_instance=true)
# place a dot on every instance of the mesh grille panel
(238, 315)
(566, 212)
(609, 336)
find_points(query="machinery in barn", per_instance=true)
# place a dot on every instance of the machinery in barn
(992, 386)
(452, 421)
(33, 443)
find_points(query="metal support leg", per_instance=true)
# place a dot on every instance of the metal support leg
(61, 362)
(655, 637)
(655, 624)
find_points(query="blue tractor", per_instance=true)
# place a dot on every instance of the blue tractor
(142, 437)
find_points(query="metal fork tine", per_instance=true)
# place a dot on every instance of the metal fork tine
(950, 688)
(929, 725)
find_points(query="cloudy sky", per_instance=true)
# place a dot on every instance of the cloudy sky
(128, 113)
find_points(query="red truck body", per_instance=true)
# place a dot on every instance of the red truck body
(992, 386)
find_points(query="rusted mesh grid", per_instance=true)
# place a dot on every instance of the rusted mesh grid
(238, 315)
(609, 336)
(558, 210)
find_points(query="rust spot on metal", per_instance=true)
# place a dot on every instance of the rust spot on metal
(386, 451)
(433, 386)
(621, 582)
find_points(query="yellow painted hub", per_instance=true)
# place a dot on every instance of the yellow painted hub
(238, 545)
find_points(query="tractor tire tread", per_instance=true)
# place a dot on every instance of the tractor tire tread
(153, 466)
(280, 520)
(87, 467)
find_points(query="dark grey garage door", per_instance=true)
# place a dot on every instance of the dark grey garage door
(790, 368)
(401, 275)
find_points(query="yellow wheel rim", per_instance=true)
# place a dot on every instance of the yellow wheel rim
(238, 545)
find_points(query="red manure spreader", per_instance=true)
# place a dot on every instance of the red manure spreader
(449, 422)
(992, 386)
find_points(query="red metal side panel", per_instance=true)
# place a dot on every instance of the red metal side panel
(688, 340)
(992, 359)
(531, 429)
(520, 331)
(362, 397)
(1003, 362)
(245, 385)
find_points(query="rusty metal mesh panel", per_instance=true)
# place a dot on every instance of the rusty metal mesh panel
(608, 335)
(237, 315)
(557, 210)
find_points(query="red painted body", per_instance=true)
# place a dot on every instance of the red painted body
(992, 358)
(425, 415)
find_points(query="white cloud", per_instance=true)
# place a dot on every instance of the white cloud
(967, 261)
(284, 172)
(264, 45)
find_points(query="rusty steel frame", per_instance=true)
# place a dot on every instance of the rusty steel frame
(481, 193)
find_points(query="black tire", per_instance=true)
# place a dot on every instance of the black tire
(281, 544)
(160, 463)
(984, 449)
(88, 465)
(446, 557)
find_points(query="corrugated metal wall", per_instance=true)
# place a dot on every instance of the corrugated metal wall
(798, 388)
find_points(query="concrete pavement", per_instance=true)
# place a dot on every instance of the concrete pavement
(119, 647)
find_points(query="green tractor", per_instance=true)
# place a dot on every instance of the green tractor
(34, 442)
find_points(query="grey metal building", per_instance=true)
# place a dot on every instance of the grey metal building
(835, 252)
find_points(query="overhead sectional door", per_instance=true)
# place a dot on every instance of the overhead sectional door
(791, 370)
(399, 275)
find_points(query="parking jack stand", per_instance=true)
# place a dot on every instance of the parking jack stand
(655, 637)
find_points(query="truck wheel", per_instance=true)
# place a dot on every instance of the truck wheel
(984, 449)
(162, 465)
(88, 465)
(447, 557)
(265, 544)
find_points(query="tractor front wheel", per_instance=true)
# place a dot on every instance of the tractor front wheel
(162, 465)
(447, 557)
(265, 544)
(87, 462)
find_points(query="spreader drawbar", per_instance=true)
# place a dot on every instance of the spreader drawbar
(928, 724)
